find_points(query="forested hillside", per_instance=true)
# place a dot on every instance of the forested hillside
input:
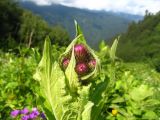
(141, 43)
(21, 27)
(97, 25)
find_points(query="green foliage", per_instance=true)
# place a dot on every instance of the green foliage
(20, 27)
(59, 36)
(33, 29)
(9, 22)
(132, 99)
(141, 42)
(17, 88)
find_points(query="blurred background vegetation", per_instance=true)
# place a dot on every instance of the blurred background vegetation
(141, 42)
(19, 27)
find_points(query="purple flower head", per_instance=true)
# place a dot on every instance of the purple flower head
(14, 113)
(25, 117)
(80, 52)
(25, 111)
(34, 113)
(81, 69)
(92, 64)
(35, 110)
(65, 63)
(43, 116)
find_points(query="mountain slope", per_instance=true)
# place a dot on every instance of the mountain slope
(96, 25)
(141, 42)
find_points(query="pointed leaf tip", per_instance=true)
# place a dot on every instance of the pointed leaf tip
(78, 29)
(113, 49)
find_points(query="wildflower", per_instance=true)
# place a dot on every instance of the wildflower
(34, 113)
(81, 68)
(92, 63)
(14, 113)
(65, 63)
(80, 52)
(43, 116)
(24, 111)
(28, 115)
(25, 117)
(114, 112)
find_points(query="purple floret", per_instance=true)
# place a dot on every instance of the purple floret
(80, 52)
(43, 116)
(81, 68)
(34, 113)
(32, 116)
(25, 117)
(25, 111)
(14, 113)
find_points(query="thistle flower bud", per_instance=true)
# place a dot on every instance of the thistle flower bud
(65, 63)
(92, 63)
(80, 52)
(81, 69)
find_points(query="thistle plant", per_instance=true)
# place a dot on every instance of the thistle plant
(80, 52)
(81, 69)
(65, 63)
(63, 94)
(62, 82)
(92, 64)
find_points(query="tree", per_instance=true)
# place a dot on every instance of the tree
(33, 29)
(10, 18)
(141, 43)
(59, 36)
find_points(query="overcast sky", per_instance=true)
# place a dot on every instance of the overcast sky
(128, 6)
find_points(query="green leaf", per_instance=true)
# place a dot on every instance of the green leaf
(46, 61)
(102, 45)
(118, 100)
(11, 85)
(86, 115)
(78, 29)
(71, 75)
(113, 49)
(99, 97)
(103, 51)
(52, 83)
(69, 48)
(141, 92)
(150, 115)
(85, 106)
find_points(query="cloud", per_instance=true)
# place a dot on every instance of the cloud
(128, 6)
